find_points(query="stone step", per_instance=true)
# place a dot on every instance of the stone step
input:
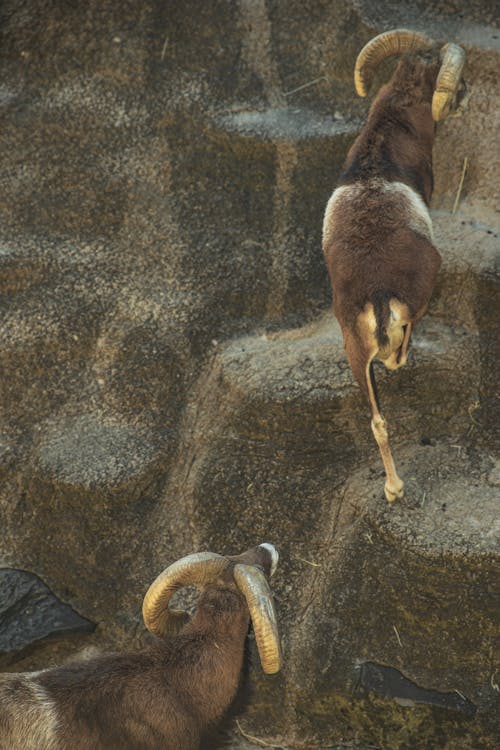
(79, 509)
(90, 453)
(277, 446)
(55, 328)
(467, 283)
(45, 340)
(408, 591)
(307, 368)
(473, 24)
(287, 123)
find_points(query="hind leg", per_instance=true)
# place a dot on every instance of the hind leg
(394, 486)
(360, 353)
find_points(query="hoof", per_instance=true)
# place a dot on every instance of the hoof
(394, 493)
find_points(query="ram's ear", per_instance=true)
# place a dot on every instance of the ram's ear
(174, 624)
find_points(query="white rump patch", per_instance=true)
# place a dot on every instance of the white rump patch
(416, 216)
(419, 218)
(345, 191)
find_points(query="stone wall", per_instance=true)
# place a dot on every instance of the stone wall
(173, 379)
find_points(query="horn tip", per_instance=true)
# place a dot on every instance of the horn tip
(274, 555)
(359, 85)
(274, 663)
(272, 670)
(440, 106)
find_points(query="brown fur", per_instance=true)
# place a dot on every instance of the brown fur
(163, 698)
(377, 236)
(372, 256)
(396, 141)
(27, 716)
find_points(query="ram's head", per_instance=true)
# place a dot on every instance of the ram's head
(247, 574)
(449, 91)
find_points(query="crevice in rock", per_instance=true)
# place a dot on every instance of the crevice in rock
(391, 683)
(30, 612)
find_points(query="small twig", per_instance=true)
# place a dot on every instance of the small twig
(423, 499)
(397, 635)
(252, 243)
(164, 48)
(308, 562)
(251, 738)
(305, 85)
(472, 408)
(459, 191)
(460, 694)
(494, 684)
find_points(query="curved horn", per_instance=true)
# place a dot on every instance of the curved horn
(253, 585)
(448, 80)
(197, 569)
(384, 45)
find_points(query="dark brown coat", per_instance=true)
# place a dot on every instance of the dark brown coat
(377, 234)
(166, 697)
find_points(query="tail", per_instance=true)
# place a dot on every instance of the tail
(380, 301)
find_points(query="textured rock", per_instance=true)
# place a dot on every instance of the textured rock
(285, 434)
(172, 378)
(85, 452)
(30, 613)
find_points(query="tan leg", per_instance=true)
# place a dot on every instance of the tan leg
(361, 349)
(393, 484)
(399, 353)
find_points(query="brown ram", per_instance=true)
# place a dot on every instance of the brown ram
(167, 696)
(377, 232)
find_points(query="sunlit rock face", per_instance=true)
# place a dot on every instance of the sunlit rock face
(172, 378)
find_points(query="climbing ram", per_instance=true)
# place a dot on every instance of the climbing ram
(377, 231)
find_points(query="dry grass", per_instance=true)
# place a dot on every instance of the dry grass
(460, 186)
(257, 740)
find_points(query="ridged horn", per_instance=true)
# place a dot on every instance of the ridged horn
(198, 569)
(448, 80)
(382, 46)
(253, 585)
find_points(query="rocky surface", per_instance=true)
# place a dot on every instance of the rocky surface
(173, 379)
(30, 613)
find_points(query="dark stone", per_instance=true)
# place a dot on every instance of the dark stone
(390, 683)
(30, 612)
